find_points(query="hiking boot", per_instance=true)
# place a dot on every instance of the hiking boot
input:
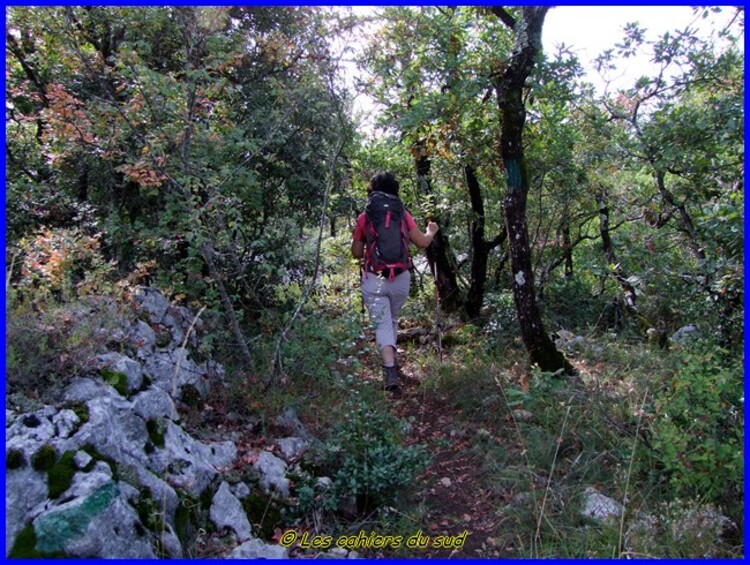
(390, 378)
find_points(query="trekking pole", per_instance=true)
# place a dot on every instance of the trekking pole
(437, 315)
(360, 274)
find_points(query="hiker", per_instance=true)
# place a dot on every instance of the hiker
(386, 273)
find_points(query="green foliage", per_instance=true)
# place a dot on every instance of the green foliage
(264, 512)
(503, 320)
(250, 85)
(365, 456)
(188, 518)
(697, 427)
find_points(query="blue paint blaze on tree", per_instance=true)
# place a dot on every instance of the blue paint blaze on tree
(54, 530)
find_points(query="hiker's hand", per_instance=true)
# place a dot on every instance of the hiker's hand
(432, 228)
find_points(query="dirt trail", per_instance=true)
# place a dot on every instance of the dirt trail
(454, 490)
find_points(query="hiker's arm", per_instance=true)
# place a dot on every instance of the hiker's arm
(423, 240)
(358, 249)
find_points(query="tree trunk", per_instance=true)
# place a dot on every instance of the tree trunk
(437, 253)
(509, 85)
(686, 222)
(207, 252)
(481, 248)
(567, 249)
(609, 252)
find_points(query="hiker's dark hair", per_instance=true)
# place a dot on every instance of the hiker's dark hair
(384, 182)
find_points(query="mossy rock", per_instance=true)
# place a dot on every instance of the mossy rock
(60, 469)
(44, 458)
(81, 410)
(24, 546)
(156, 432)
(94, 453)
(14, 459)
(60, 476)
(117, 379)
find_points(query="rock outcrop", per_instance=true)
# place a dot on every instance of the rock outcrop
(108, 471)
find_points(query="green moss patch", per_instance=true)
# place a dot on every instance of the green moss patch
(94, 453)
(61, 475)
(60, 469)
(44, 458)
(156, 430)
(117, 379)
(81, 410)
(14, 459)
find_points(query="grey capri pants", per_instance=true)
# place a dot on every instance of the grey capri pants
(384, 300)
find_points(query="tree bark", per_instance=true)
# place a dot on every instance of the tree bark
(567, 248)
(437, 253)
(509, 86)
(481, 248)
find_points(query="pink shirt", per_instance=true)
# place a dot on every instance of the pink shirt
(359, 229)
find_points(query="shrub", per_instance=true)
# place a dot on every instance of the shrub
(365, 456)
(680, 529)
(64, 262)
(51, 343)
(697, 430)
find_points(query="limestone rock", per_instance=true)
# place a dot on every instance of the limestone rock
(152, 303)
(598, 507)
(98, 522)
(257, 549)
(686, 335)
(272, 473)
(143, 338)
(289, 421)
(25, 489)
(132, 370)
(155, 403)
(292, 448)
(227, 512)
(173, 370)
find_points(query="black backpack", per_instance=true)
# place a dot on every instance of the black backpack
(387, 235)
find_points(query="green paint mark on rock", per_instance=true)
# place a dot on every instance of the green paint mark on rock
(55, 529)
